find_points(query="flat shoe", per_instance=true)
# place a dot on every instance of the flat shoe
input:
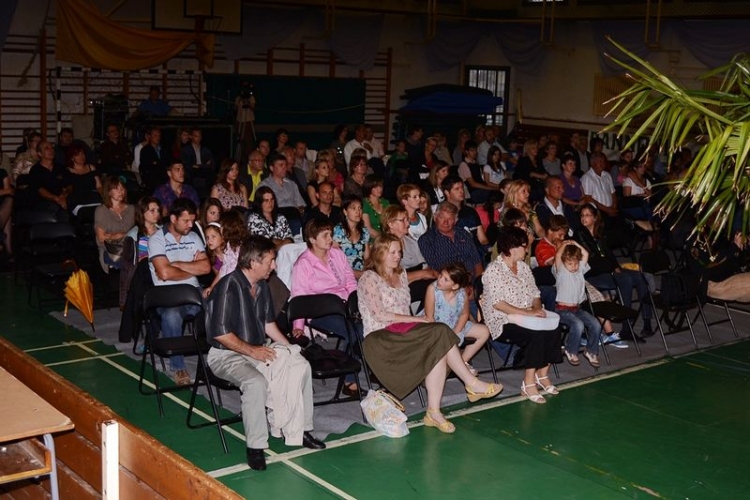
(446, 427)
(549, 389)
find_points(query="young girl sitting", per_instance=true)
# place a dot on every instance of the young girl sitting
(223, 240)
(215, 249)
(446, 301)
(571, 263)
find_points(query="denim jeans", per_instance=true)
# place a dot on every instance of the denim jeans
(171, 326)
(578, 321)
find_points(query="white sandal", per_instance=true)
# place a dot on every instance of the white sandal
(549, 389)
(534, 398)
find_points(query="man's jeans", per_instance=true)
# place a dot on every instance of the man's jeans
(171, 326)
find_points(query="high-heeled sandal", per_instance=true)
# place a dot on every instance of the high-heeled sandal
(549, 389)
(534, 398)
(492, 391)
(446, 427)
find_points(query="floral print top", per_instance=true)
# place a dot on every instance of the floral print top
(354, 250)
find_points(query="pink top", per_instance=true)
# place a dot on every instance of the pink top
(310, 276)
(229, 263)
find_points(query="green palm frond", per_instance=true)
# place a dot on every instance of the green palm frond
(717, 183)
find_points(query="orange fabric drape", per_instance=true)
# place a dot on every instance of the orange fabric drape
(86, 37)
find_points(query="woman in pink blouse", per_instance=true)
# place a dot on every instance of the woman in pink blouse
(324, 269)
(510, 299)
(404, 350)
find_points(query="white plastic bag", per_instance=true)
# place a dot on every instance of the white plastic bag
(385, 414)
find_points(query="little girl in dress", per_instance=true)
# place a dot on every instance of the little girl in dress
(447, 301)
(223, 240)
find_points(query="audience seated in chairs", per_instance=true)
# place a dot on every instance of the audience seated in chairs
(420, 350)
(176, 188)
(228, 190)
(266, 220)
(512, 308)
(289, 201)
(606, 274)
(446, 243)
(240, 319)
(46, 184)
(177, 255)
(322, 269)
(352, 236)
(112, 221)
(447, 301)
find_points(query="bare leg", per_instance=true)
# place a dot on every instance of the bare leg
(435, 383)
(456, 363)
(480, 333)
(529, 381)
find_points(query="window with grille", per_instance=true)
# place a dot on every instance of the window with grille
(496, 79)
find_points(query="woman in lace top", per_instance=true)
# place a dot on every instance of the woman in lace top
(227, 188)
(404, 350)
(264, 220)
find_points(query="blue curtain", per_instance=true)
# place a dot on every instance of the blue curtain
(7, 9)
(629, 34)
(714, 43)
(452, 44)
(521, 45)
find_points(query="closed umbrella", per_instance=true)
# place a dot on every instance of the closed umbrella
(80, 292)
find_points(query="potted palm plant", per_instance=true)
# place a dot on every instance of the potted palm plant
(717, 184)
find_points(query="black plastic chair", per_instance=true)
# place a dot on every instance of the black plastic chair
(611, 311)
(23, 221)
(51, 249)
(328, 363)
(165, 347)
(204, 376)
(675, 312)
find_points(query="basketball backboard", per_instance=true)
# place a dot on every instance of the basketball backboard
(217, 16)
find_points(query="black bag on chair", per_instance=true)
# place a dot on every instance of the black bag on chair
(679, 288)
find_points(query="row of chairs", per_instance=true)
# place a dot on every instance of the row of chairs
(335, 364)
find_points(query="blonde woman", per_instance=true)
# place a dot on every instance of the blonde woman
(517, 196)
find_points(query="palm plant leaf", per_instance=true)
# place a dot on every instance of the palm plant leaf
(716, 186)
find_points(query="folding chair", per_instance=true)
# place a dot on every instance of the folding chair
(204, 376)
(168, 296)
(327, 363)
(675, 307)
(51, 248)
(616, 313)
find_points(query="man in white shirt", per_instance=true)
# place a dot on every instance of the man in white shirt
(598, 184)
(357, 143)
(372, 143)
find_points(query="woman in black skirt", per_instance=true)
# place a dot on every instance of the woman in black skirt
(404, 350)
(511, 299)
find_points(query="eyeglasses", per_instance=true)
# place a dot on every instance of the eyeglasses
(400, 220)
